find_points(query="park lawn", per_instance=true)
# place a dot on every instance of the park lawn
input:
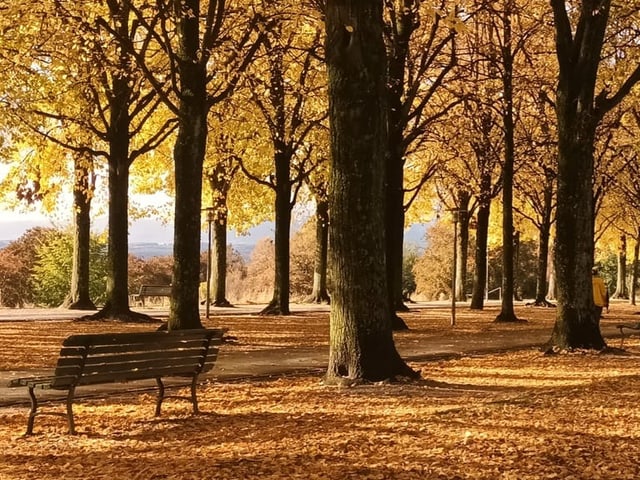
(512, 415)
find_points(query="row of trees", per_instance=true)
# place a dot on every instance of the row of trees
(429, 103)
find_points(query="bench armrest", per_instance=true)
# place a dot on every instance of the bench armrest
(42, 382)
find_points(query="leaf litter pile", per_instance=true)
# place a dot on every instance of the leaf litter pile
(509, 415)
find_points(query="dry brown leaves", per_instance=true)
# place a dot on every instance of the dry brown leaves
(515, 415)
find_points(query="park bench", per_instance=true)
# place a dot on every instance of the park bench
(120, 357)
(630, 326)
(153, 291)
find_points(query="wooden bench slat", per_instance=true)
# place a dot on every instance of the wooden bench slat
(155, 290)
(140, 347)
(195, 362)
(140, 337)
(141, 356)
(111, 377)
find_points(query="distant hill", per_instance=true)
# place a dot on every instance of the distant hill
(148, 249)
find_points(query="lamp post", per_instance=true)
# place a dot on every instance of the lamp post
(210, 219)
(457, 214)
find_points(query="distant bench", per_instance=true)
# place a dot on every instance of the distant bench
(152, 291)
(630, 326)
(121, 357)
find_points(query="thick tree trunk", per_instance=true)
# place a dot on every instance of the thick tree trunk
(577, 324)
(219, 263)
(361, 341)
(117, 304)
(279, 304)
(283, 153)
(220, 178)
(507, 312)
(634, 271)
(480, 275)
(79, 297)
(544, 234)
(188, 154)
(541, 274)
(404, 26)
(551, 277)
(319, 293)
(621, 275)
(462, 246)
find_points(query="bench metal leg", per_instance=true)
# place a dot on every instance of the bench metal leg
(72, 426)
(194, 398)
(33, 412)
(160, 395)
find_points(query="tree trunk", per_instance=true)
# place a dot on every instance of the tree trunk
(507, 312)
(480, 275)
(462, 245)
(79, 297)
(544, 233)
(551, 277)
(361, 342)
(219, 263)
(279, 304)
(394, 205)
(634, 270)
(220, 178)
(577, 324)
(621, 275)
(319, 293)
(188, 154)
(117, 305)
(283, 153)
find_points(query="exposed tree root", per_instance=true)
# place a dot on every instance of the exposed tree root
(222, 303)
(80, 305)
(128, 316)
(541, 303)
(397, 323)
(401, 307)
(404, 374)
(320, 299)
(274, 308)
(508, 318)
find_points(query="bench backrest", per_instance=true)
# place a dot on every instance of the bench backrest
(155, 291)
(118, 357)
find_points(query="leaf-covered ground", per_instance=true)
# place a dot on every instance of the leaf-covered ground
(515, 415)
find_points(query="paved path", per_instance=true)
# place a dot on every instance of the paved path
(233, 365)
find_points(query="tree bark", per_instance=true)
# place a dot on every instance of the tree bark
(188, 154)
(361, 342)
(319, 293)
(117, 305)
(219, 263)
(79, 297)
(621, 274)
(544, 234)
(507, 312)
(634, 270)
(220, 178)
(394, 205)
(462, 245)
(577, 324)
(279, 304)
(480, 275)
